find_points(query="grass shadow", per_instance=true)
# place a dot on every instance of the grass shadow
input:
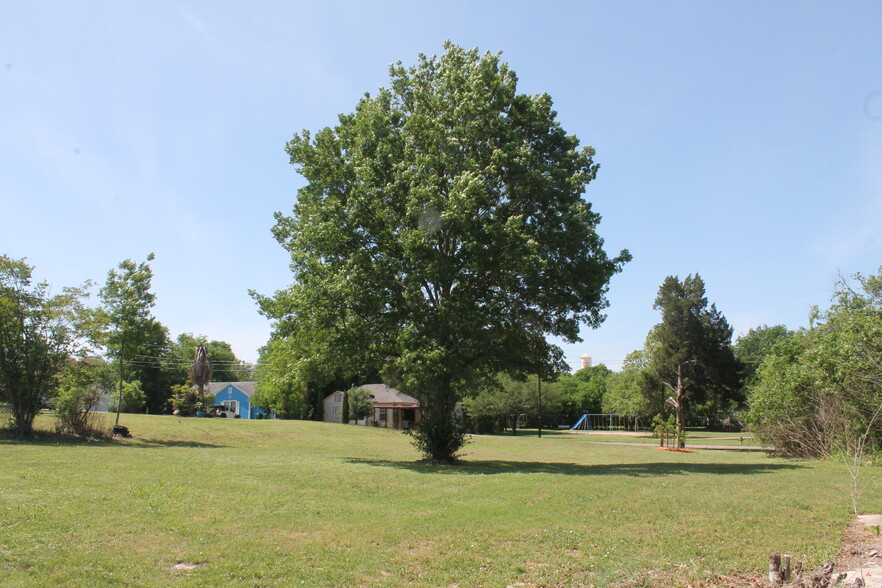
(11, 437)
(495, 467)
(51, 438)
(161, 443)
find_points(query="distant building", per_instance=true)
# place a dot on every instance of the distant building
(237, 397)
(392, 409)
(586, 361)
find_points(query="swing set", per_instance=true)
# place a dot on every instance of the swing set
(607, 422)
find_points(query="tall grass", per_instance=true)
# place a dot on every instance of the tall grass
(279, 503)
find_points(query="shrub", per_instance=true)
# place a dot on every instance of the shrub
(439, 436)
(76, 401)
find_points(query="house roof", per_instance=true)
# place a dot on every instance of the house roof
(247, 388)
(384, 396)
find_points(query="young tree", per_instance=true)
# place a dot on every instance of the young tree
(361, 404)
(441, 236)
(692, 354)
(345, 417)
(81, 388)
(39, 332)
(130, 326)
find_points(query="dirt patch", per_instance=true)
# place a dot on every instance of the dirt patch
(860, 548)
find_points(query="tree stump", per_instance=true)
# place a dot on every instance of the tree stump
(121, 431)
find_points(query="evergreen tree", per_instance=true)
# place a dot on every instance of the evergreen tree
(692, 354)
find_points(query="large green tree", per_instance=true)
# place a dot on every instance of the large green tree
(691, 351)
(441, 236)
(39, 332)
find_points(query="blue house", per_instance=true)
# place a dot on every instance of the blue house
(237, 397)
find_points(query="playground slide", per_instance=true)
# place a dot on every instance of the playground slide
(579, 425)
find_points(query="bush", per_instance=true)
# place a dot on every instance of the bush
(76, 400)
(438, 436)
(820, 390)
(133, 397)
(186, 402)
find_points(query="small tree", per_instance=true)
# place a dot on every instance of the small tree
(183, 400)
(345, 417)
(81, 388)
(360, 402)
(38, 334)
(129, 325)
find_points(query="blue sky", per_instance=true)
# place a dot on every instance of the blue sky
(738, 140)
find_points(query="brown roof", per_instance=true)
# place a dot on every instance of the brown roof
(384, 396)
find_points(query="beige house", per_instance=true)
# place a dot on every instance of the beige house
(392, 409)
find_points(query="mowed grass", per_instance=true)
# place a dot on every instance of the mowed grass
(206, 502)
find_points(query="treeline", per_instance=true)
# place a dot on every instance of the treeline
(688, 371)
(57, 349)
(812, 392)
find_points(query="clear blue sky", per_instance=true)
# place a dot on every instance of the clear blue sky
(740, 140)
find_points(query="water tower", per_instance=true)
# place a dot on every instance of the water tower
(586, 361)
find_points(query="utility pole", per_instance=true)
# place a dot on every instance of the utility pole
(539, 394)
(119, 397)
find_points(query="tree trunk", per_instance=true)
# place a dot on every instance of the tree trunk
(680, 408)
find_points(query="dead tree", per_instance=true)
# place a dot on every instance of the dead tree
(200, 372)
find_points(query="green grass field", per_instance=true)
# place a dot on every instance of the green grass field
(208, 502)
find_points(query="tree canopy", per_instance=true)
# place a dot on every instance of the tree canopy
(441, 236)
(38, 334)
(753, 347)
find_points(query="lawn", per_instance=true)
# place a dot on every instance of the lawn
(203, 502)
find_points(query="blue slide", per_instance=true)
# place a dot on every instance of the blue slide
(583, 419)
